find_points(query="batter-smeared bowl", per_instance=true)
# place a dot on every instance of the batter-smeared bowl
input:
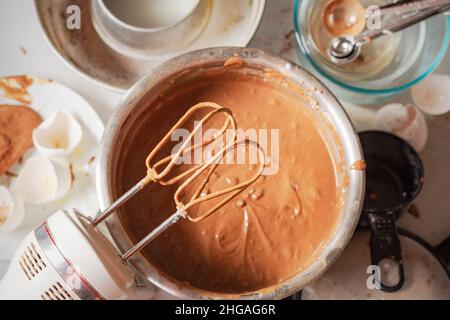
(278, 257)
(144, 41)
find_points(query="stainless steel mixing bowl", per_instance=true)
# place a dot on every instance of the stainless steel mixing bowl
(336, 127)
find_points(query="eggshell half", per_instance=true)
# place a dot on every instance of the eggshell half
(58, 136)
(407, 122)
(42, 181)
(12, 210)
(432, 95)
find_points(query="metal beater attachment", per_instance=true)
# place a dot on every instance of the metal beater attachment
(162, 177)
(206, 170)
(399, 16)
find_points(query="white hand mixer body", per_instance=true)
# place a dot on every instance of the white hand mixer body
(66, 258)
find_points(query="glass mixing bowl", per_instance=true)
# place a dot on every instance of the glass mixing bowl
(396, 62)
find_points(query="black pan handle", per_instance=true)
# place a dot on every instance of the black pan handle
(443, 250)
(385, 245)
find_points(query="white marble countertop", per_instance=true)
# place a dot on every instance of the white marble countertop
(25, 51)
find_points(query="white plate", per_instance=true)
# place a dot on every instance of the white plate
(48, 97)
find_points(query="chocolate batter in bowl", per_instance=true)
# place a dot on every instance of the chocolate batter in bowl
(280, 233)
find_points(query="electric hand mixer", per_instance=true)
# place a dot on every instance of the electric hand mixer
(68, 258)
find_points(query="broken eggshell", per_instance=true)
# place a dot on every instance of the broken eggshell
(407, 122)
(42, 180)
(58, 136)
(432, 95)
(12, 210)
